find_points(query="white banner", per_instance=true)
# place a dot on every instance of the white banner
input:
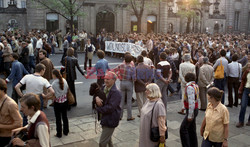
(122, 47)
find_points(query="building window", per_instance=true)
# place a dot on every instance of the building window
(23, 4)
(52, 22)
(1, 3)
(236, 20)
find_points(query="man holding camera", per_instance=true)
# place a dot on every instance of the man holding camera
(38, 126)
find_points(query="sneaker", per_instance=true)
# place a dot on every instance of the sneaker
(239, 124)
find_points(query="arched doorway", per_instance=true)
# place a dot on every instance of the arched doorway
(105, 19)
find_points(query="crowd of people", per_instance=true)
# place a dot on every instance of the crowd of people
(193, 62)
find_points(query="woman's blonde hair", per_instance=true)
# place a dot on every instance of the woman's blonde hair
(154, 90)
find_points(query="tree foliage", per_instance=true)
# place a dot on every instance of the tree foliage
(66, 8)
(188, 10)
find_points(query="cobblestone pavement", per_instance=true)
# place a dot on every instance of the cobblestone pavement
(82, 130)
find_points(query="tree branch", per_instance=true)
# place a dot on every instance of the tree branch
(78, 8)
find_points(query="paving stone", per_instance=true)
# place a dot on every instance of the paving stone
(74, 129)
(90, 134)
(174, 124)
(126, 136)
(87, 143)
(171, 137)
(87, 126)
(127, 126)
(173, 143)
(127, 144)
(55, 141)
(71, 138)
(242, 138)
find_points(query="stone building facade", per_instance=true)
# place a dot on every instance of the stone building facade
(212, 16)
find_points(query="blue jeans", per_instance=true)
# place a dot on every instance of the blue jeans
(207, 143)
(220, 83)
(244, 102)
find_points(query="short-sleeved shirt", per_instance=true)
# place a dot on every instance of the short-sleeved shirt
(35, 83)
(164, 67)
(216, 118)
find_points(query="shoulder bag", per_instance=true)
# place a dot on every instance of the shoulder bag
(154, 131)
(219, 72)
(70, 97)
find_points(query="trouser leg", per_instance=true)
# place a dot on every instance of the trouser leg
(57, 110)
(106, 137)
(244, 102)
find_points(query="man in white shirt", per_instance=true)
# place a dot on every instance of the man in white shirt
(35, 83)
(38, 126)
(39, 45)
(234, 76)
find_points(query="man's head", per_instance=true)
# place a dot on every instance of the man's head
(30, 103)
(163, 56)
(234, 57)
(14, 56)
(128, 58)
(223, 53)
(70, 52)
(40, 68)
(186, 57)
(140, 59)
(100, 54)
(42, 54)
(144, 53)
(110, 79)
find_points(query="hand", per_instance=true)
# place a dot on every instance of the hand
(162, 139)
(225, 144)
(86, 76)
(98, 101)
(16, 131)
(43, 95)
(17, 142)
(167, 81)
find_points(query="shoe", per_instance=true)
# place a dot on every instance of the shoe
(231, 106)
(248, 123)
(235, 105)
(182, 112)
(129, 119)
(171, 94)
(59, 136)
(66, 134)
(239, 124)
(138, 115)
(202, 109)
(74, 105)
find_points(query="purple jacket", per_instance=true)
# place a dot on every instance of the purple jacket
(111, 110)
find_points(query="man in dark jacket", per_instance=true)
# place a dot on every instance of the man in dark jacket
(110, 110)
(24, 56)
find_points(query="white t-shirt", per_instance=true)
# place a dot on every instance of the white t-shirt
(35, 83)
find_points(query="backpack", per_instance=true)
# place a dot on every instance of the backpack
(219, 72)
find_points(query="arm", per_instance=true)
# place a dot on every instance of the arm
(18, 90)
(43, 135)
(12, 74)
(180, 75)
(191, 102)
(78, 67)
(225, 144)
(50, 93)
(114, 101)
(203, 125)
(162, 128)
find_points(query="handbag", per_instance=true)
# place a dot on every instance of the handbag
(219, 72)
(70, 97)
(154, 131)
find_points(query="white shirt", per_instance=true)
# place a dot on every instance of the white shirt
(35, 83)
(147, 61)
(234, 69)
(39, 43)
(31, 50)
(41, 130)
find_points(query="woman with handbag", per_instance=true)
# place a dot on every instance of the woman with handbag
(60, 87)
(153, 114)
(71, 63)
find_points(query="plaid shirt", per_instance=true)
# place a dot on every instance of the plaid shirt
(125, 72)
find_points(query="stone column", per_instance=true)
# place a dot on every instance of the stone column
(244, 16)
(229, 15)
(163, 17)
